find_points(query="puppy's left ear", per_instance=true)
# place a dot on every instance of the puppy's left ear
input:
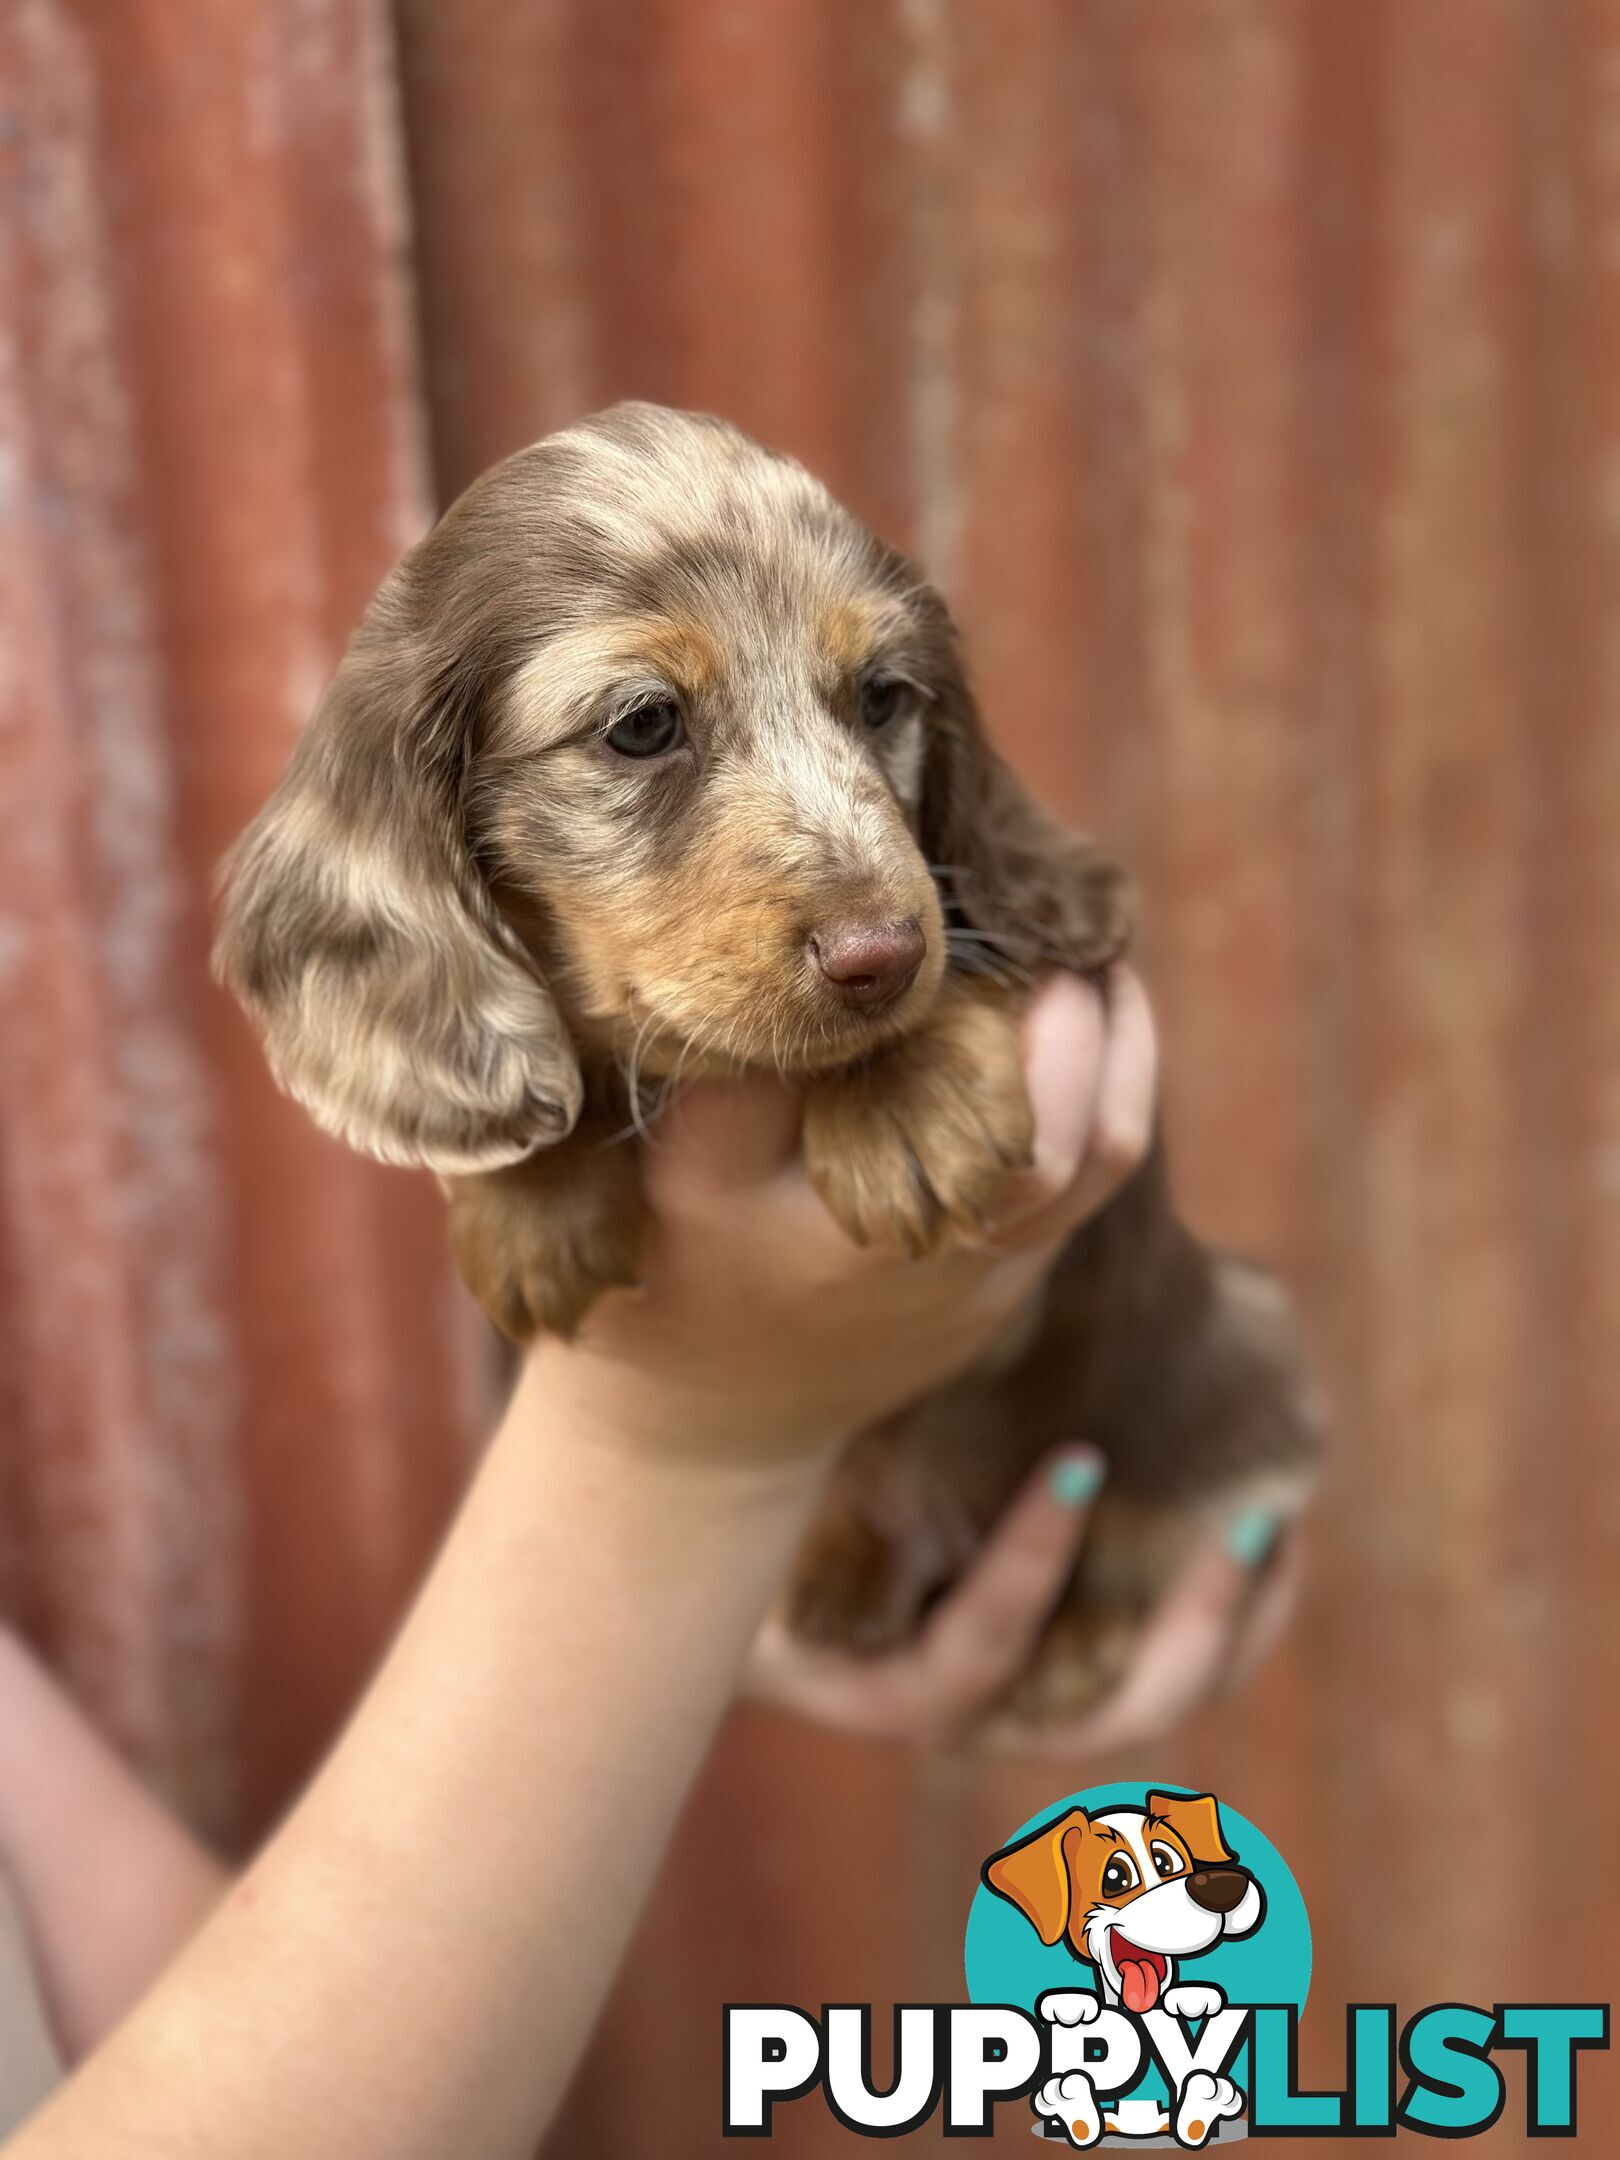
(1196, 1820)
(1036, 1876)
(393, 1001)
(1042, 896)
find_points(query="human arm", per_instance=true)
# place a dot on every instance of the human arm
(413, 1963)
(109, 1882)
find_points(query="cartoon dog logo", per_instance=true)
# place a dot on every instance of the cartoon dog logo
(1131, 1890)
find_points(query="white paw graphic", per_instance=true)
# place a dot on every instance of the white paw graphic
(1193, 1999)
(1068, 2006)
(1070, 2102)
(1202, 2102)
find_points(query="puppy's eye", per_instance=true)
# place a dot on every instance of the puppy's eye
(1166, 1859)
(648, 731)
(883, 698)
(1118, 1876)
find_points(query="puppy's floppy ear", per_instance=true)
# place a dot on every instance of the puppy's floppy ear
(1035, 1875)
(393, 1001)
(1196, 1820)
(1043, 896)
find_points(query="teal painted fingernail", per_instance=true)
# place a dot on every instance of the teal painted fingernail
(1251, 1535)
(1075, 1479)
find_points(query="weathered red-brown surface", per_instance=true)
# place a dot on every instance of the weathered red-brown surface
(237, 1390)
(1250, 376)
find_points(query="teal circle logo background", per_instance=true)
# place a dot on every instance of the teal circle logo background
(1006, 1961)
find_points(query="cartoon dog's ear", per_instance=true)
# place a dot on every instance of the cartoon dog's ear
(393, 1001)
(1043, 896)
(1196, 1820)
(1035, 1875)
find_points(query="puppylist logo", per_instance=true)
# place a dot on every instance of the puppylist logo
(1137, 1961)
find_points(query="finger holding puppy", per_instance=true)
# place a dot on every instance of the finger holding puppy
(1094, 1120)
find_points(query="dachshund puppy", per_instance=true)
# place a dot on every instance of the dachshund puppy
(651, 762)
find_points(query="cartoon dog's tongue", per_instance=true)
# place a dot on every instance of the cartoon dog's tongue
(1139, 1975)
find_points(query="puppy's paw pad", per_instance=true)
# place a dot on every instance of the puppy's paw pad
(1202, 2103)
(1070, 2103)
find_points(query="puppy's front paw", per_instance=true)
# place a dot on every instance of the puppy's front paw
(912, 1149)
(1069, 2006)
(1204, 2102)
(1193, 1999)
(538, 1243)
(1071, 2104)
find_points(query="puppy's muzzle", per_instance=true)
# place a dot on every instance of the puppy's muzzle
(869, 965)
(1218, 1890)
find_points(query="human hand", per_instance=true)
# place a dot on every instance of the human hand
(759, 1330)
(1213, 1629)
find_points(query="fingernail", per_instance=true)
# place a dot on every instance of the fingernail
(1075, 1479)
(1251, 1535)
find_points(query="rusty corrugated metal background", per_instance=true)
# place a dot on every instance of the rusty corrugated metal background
(1249, 371)
(237, 1389)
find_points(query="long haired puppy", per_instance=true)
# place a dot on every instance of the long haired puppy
(650, 760)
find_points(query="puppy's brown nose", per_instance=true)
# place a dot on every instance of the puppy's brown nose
(869, 964)
(1217, 1889)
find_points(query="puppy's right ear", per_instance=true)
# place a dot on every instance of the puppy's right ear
(1035, 1875)
(1196, 1820)
(393, 1001)
(1039, 895)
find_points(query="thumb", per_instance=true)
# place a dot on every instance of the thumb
(725, 1136)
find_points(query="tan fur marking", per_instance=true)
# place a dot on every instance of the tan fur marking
(685, 653)
(849, 631)
(553, 692)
